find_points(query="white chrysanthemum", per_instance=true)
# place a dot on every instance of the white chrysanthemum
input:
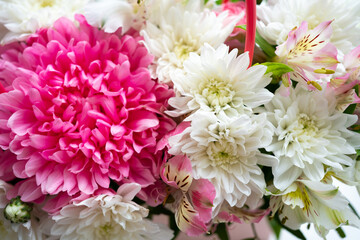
(279, 17)
(29, 230)
(106, 217)
(113, 14)
(225, 151)
(219, 81)
(180, 30)
(310, 135)
(24, 17)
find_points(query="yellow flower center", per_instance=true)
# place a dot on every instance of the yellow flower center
(47, 3)
(303, 130)
(217, 92)
(105, 230)
(182, 49)
(222, 154)
(307, 123)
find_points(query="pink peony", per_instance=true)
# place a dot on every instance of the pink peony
(81, 109)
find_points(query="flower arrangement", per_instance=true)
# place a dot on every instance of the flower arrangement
(210, 112)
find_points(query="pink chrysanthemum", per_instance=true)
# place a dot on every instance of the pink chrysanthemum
(81, 109)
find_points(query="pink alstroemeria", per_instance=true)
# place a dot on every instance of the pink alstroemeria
(310, 54)
(191, 199)
(342, 86)
(241, 215)
(352, 64)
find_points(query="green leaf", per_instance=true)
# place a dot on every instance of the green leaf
(296, 233)
(352, 207)
(340, 232)
(268, 49)
(277, 70)
(276, 227)
(243, 27)
(350, 109)
(173, 226)
(221, 231)
(357, 152)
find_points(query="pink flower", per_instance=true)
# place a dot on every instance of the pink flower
(342, 86)
(310, 54)
(155, 193)
(241, 215)
(352, 64)
(81, 109)
(235, 10)
(191, 199)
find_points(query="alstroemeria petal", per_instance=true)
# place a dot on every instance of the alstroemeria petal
(202, 193)
(242, 215)
(188, 219)
(310, 54)
(177, 173)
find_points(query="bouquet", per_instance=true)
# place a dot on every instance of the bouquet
(210, 112)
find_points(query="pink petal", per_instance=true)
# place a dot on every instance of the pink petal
(70, 183)
(29, 190)
(86, 182)
(102, 179)
(128, 190)
(141, 120)
(19, 169)
(177, 172)
(22, 121)
(187, 219)
(54, 182)
(34, 164)
(202, 193)
(42, 141)
(352, 59)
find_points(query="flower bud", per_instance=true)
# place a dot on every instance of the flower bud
(17, 211)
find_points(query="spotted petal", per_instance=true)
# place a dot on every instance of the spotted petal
(242, 215)
(177, 173)
(188, 219)
(309, 53)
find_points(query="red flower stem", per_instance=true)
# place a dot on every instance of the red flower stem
(250, 28)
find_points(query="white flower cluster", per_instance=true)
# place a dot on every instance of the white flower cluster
(20, 18)
(237, 131)
(278, 17)
(312, 140)
(310, 136)
(106, 217)
(174, 30)
(220, 95)
(313, 145)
